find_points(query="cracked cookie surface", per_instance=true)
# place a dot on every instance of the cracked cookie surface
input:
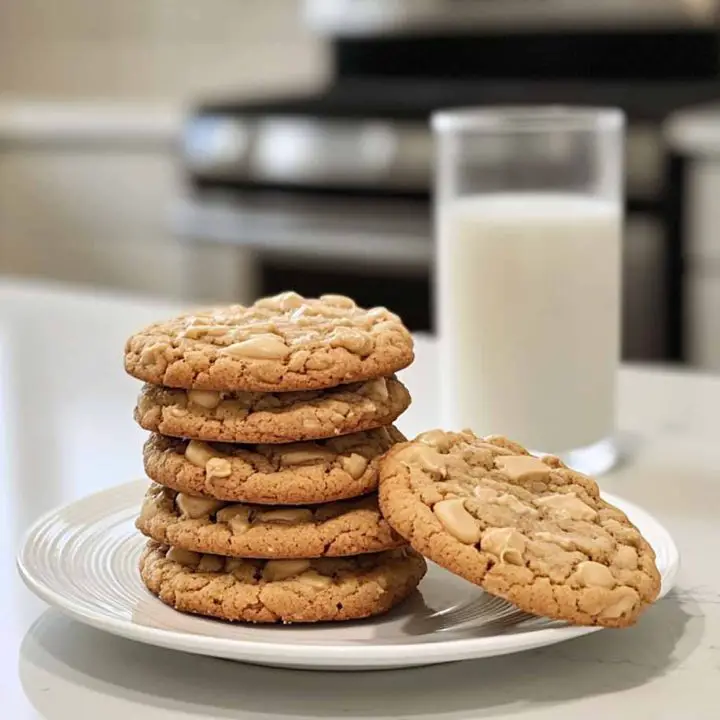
(287, 591)
(281, 343)
(526, 529)
(295, 474)
(340, 529)
(271, 417)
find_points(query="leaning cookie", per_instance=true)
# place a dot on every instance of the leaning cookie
(271, 417)
(280, 343)
(294, 474)
(288, 591)
(352, 527)
(525, 529)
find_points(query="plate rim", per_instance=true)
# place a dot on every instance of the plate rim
(309, 654)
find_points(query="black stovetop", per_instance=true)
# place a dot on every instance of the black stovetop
(416, 99)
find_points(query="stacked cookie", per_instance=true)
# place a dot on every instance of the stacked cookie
(267, 426)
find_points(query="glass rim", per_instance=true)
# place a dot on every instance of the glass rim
(527, 118)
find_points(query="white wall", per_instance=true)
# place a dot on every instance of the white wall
(167, 49)
(88, 176)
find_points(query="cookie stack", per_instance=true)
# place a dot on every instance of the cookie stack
(267, 426)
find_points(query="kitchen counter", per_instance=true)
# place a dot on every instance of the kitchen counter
(67, 430)
(86, 123)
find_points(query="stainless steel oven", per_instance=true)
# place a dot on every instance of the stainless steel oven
(331, 191)
(354, 18)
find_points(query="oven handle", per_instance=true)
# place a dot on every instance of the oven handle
(406, 245)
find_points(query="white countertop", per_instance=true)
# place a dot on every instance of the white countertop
(85, 123)
(66, 430)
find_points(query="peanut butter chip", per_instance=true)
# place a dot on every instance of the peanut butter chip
(452, 489)
(196, 330)
(493, 449)
(517, 506)
(314, 579)
(149, 509)
(318, 362)
(356, 341)
(429, 459)
(237, 406)
(436, 439)
(256, 328)
(198, 453)
(218, 468)
(211, 563)
(485, 494)
(376, 389)
(626, 558)
(593, 574)
(237, 516)
(505, 543)
(184, 557)
(284, 301)
(562, 541)
(522, 468)
(338, 301)
(286, 516)
(624, 601)
(261, 347)
(233, 563)
(204, 398)
(197, 507)
(457, 520)
(276, 570)
(567, 504)
(304, 454)
(153, 353)
(354, 465)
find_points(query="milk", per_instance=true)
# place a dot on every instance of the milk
(528, 312)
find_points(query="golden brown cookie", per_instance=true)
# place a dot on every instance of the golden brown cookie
(350, 527)
(281, 343)
(525, 529)
(288, 591)
(271, 417)
(294, 474)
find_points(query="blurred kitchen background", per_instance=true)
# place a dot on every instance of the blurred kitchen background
(221, 149)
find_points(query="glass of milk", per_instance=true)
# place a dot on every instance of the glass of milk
(529, 216)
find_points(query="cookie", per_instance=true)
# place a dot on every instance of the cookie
(271, 417)
(293, 474)
(526, 529)
(288, 591)
(204, 525)
(281, 343)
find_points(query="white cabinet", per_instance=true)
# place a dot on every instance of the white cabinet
(644, 295)
(86, 196)
(695, 135)
(703, 318)
(702, 262)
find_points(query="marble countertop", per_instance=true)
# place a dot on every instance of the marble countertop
(66, 430)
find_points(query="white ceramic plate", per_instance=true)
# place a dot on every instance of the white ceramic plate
(83, 560)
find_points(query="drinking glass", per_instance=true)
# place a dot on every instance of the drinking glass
(529, 218)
